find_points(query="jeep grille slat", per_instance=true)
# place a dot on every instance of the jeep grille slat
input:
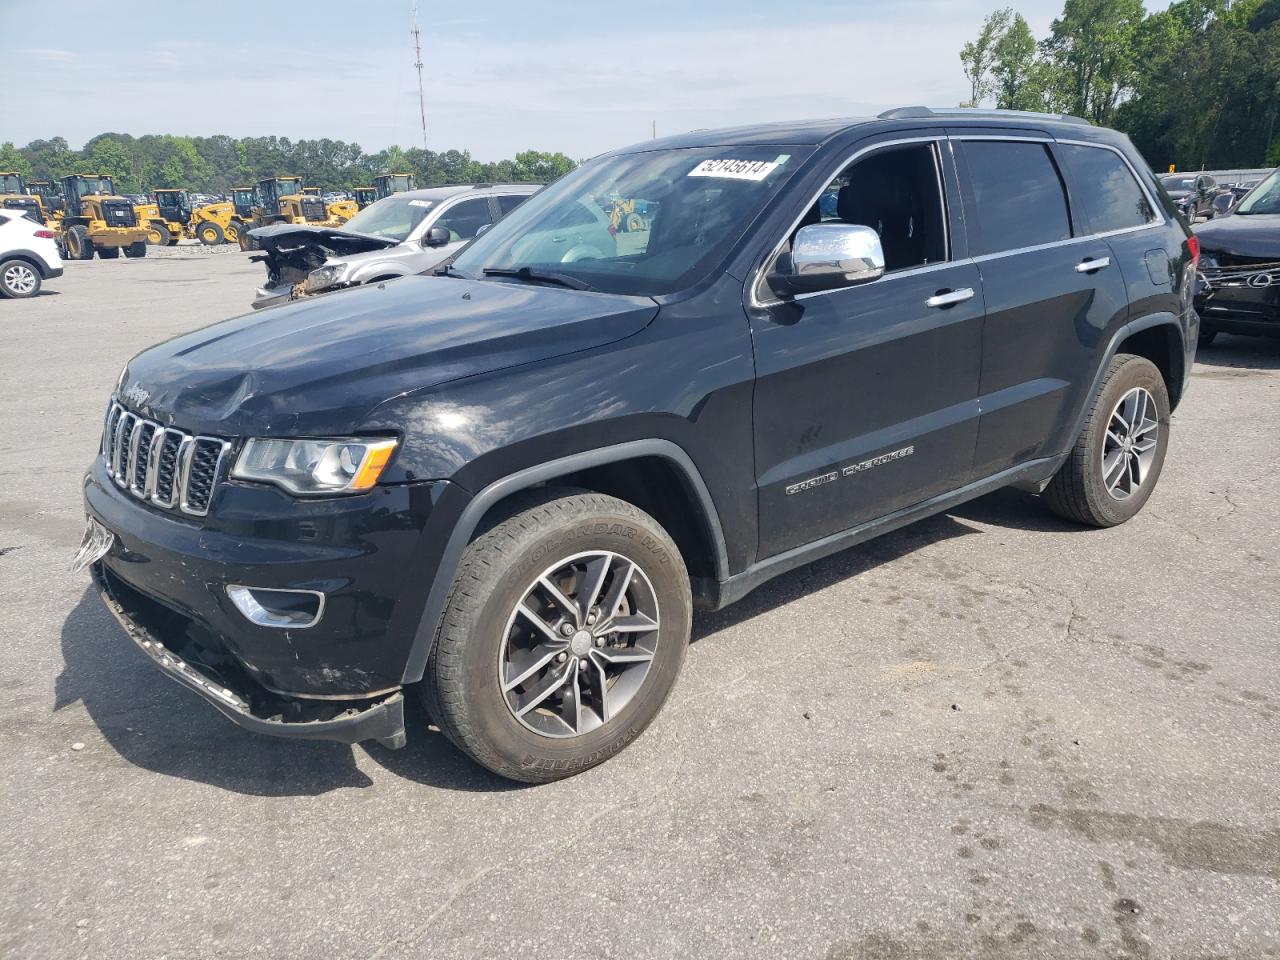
(160, 464)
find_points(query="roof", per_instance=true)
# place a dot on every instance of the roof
(444, 193)
(814, 132)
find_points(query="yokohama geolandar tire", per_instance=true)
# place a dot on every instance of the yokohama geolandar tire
(564, 632)
(1117, 458)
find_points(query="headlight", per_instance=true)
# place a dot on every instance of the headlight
(323, 277)
(314, 467)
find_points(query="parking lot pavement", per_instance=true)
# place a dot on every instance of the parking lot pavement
(992, 734)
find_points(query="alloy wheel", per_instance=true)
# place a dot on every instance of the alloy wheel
(1129, 447)
(579, 644)
(19, 279)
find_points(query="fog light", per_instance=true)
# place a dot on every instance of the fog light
(285, 609)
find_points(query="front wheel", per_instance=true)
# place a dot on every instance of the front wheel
(1117, 458)
(210, 234)
(563, 635)
(18, 279)
(136, 249)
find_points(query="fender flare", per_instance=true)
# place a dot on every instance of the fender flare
(1113, 345)
(478, 506)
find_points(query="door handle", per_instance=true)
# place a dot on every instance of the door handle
(1095, 263)
(949, 298)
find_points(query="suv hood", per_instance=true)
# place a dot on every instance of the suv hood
(1254, 235)
(318, 367)
(284, 236)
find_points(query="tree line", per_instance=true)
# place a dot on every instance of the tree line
(1196, 85)
(215, 164)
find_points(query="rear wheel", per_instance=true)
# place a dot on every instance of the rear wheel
(563, 635)
(136, 249)
(1116, 461)
(157, 234)
(232, 232)
(210, 234)
(110, 253)
(18, 279)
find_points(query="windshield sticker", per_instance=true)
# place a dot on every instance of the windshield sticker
(735, 169)
(421, 203)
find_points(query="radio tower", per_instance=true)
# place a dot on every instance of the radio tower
(417, 50)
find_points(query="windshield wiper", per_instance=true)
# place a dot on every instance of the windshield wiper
(538, 276)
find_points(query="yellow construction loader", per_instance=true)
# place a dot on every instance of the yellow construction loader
(281, 200)
(336, 213)
(51, 202)
(97, 219)
(15, 195)
(364, 196)
(388, 183)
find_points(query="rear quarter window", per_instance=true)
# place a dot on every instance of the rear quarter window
(1018, 196)
(1104, 188)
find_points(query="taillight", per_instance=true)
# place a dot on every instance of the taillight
(1193, 244)
(46, 235)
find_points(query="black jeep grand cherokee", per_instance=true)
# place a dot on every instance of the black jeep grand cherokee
(509, 484)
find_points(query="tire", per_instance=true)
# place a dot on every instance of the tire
(109, 253)
(210, 234)
(1207, 335)
(1086, 488)
(247, 242)
(157, 234)
(136, 249)
(18, 279)
(232, 233)
(79, 246)
(485, 631)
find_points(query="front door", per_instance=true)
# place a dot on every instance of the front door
(865, 399)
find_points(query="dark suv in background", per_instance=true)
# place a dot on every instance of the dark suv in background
(508, 485)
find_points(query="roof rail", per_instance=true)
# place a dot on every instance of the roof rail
(921, 113)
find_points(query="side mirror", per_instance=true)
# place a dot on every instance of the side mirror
(827, 256)
(436, 237)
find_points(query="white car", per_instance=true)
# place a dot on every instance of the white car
(28, 255)
(399, 235)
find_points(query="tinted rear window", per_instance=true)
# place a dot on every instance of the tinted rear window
(1111, 197)
(1019, 196)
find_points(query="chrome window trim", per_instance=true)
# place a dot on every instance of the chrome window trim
(758, 275)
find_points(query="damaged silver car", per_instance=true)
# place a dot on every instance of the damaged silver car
(403, 234)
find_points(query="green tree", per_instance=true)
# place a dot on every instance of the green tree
(12, 160)
(1093, 45)
(112, 158)
(978, 56)
(1017, 74)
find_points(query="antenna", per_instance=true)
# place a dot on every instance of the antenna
(417, 50)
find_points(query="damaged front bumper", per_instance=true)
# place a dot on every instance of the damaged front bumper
(197, 663)
(1240, 299)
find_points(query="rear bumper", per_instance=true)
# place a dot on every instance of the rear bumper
(232, 692)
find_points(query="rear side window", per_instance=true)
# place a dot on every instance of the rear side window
(509, 201)
(1111, 197)
(1018, 194)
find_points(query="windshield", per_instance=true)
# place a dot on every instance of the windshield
(1264, 198)
(392, 217)
(11, 183)
(641, 224)
(91, 186)
(243, 196)
(1179, 183)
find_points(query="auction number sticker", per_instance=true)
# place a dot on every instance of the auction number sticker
(728, 169)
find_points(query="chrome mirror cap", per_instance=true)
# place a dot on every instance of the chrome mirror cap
(826, 256)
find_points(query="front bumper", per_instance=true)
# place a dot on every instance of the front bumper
(214, 676)
(369, 555)
(1237, 306)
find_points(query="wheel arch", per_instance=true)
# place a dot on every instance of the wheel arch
(637, 470)
(1161, 342)
(31, 258)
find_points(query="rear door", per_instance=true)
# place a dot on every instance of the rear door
(1052, 293)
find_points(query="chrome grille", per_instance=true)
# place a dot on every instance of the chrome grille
(162, 465)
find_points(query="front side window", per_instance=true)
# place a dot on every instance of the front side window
(1264, 198)
(1018, 196)
(463, 220)
(897, 192)
(1111, 197)
(643, 224)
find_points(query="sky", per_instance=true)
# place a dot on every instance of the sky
(504, 76)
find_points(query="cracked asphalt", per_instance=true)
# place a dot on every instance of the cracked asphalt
(991, 734)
